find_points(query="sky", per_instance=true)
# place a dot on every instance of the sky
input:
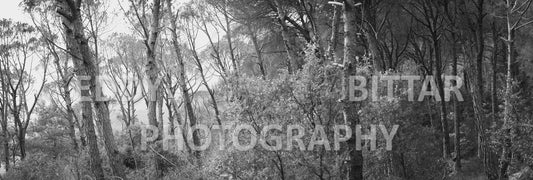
(9, 9)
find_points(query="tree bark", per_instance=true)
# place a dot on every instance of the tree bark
(152, 72)
(78, 46)
(230, 42)
(102, 111)
(258, 51)
(456, 109)
(351, 55)
(65, 94)
(332, 47)
(440, 84)
(480, 41)
(508, 107)
(5, 133)
(494, 66)
(294, 62)
(71, 118)
(152, 69)
(4, 115)
(182, 78)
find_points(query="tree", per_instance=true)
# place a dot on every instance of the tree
(428, 14)
(78, 48)
(352, 55)
(515, 13)
(150, 33)
(182, 75)
(22, 44)
(121, 69)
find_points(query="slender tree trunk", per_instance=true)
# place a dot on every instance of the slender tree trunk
(457, 111)
(208, 88)
(479, 78)
(171, 120)
(151, 65)
(70, 118)
(294, 62)
(3, 112)
(204, 80)
(160, 111)
(182, 80)
(65, 91)
(332, 47)
(481, 46)
(508, 107)
(102, 111)
(78, 46)
(6, 142)
(258, 51)
(351, 55)
(491, 167)
(152, 71)
(5, 133)
(443, 110)
(216, 51)
(186, 97)
(281, 167)
(369, 24)
(494, 66)
(18, 125)
(22, 142)
(230, 42)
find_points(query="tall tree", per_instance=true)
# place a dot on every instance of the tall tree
(352, 54)
(150, 33)
(429, 15)
(22, 45)
(96, 15)
(516, 12)
(83, 60)
(182, 74)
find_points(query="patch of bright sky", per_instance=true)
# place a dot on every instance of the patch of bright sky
(117, 22)
(9, 9)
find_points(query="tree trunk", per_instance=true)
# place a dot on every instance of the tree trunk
(494, 66)
(351, 55)
(78, 46)
(457, 111)
(6, 143)
(508, 107)
(491, 168)
(102, 111)
(230, 42)
(170, 111)
(65, 93)
(294, 62)
(374, 47)
(443, 111)
(479, 78)
(152, 71)
(22, 143)
(160, 111)
(151, 64)
(258, 51)
(3, 112)
(332, 47)
(204, 79)
(208, 88)
(70, 118)
(182, 81)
